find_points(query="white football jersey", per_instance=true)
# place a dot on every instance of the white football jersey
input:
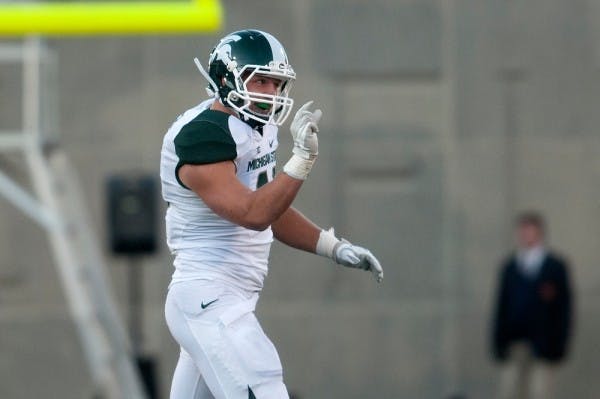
(205, 245)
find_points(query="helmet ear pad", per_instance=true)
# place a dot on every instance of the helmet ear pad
(222, 78)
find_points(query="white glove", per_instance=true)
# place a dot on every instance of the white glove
(304, 130)
(346, 254)
(354, 256)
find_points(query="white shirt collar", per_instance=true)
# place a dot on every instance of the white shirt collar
(530, 259)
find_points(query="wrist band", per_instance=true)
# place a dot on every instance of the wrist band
(298, 168)
(327, 243)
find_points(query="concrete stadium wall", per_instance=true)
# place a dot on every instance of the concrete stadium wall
(441, 120)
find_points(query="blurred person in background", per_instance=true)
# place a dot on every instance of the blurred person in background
(225, 207)
(532, 319)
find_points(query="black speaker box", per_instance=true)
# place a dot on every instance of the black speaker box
(131, 202)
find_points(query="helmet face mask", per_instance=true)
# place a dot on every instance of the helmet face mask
(262, 107)
(236, 60)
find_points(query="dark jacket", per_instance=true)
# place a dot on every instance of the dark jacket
(535, 309)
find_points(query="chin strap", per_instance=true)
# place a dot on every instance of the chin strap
(254, 124)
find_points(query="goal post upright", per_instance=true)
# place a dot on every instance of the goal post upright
(55, 202)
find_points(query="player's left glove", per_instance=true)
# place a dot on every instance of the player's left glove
(346, 254)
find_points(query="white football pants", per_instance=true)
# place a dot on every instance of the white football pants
(224, 352)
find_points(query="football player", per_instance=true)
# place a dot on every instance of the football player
(225, 206)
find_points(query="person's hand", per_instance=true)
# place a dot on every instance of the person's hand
(304, 130)
(350, 255)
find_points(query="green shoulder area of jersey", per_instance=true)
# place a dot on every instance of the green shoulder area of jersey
(206, 139)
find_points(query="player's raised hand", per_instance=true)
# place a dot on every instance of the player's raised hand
(358, 257)
(304, 130)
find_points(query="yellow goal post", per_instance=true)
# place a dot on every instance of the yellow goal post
(109, 17)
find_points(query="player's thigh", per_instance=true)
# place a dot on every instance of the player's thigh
(251, 348)
(232, 351)
(237, 358)
(193, 333)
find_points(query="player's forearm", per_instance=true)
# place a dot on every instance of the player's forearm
(296, 230)
(273, 199)
(268, 203)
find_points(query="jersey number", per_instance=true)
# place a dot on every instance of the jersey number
(263, 178)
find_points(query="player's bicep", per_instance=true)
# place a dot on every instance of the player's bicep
(217, 185)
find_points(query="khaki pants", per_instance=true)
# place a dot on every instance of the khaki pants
(525, 377)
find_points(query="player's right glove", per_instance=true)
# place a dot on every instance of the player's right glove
(346, 254)
(304, 130)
